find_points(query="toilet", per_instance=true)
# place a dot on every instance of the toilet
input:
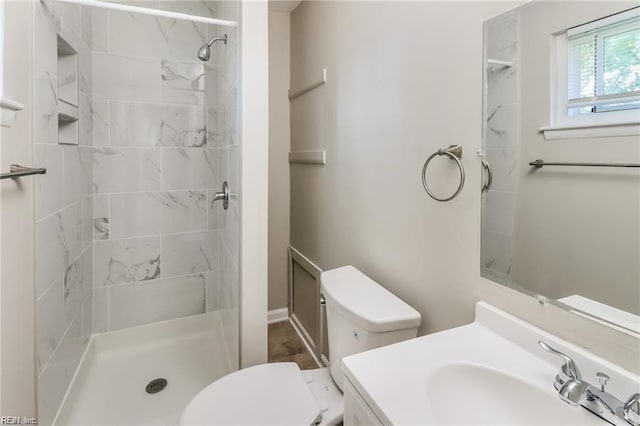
(361, 315)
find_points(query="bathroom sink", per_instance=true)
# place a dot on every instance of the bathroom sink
(463, 393)
(489, 372)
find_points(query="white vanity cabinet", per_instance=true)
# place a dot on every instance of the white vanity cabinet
(356, 410)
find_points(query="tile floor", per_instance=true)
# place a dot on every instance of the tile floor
(286, 346)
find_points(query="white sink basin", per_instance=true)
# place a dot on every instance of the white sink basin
(488, 372)
(462, 393)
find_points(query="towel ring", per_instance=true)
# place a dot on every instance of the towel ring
(454, 152)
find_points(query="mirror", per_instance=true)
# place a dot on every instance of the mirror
(562, 85)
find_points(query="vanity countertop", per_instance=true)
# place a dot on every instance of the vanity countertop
(490, 371)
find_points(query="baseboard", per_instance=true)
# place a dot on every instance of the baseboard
(324, 360)
(277, 315)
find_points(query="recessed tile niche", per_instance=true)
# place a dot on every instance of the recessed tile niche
(67, 93)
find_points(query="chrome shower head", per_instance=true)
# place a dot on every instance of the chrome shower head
(205, 51)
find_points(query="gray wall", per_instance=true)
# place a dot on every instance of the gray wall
(17, 232)
(394, 96)
(279, 144)
(577, 230)
(404, 79)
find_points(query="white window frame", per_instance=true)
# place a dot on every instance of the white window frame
(563, 125)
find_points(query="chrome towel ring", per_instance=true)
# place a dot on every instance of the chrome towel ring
(454, 152)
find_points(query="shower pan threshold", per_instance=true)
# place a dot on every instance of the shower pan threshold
(111, 384)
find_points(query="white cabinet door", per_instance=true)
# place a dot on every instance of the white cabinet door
(356, 410)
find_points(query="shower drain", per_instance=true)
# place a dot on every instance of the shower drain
(156, 385)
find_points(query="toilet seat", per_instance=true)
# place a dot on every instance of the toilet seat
(267, 394)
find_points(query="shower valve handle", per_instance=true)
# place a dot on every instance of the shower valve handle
(222, 195)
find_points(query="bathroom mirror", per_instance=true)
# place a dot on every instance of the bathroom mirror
(562, 85)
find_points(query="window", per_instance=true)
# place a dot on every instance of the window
(598, 72)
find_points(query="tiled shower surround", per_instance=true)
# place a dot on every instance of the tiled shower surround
(127, 233)
(501, 146)
(64, 204)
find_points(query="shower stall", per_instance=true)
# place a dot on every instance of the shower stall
(137, 119)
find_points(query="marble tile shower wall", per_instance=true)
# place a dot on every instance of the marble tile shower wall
(501, 145)
(64, 245)
(161, 137)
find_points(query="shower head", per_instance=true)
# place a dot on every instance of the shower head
(205, 51)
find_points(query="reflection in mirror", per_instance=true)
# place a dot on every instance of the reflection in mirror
(562, 85)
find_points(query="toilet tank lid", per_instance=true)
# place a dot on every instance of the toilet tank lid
(365, 302)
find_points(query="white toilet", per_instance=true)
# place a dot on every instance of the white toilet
(361, 315)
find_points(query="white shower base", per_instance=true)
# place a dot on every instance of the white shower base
(109, 385)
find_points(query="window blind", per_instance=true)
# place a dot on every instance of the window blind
(604, 65)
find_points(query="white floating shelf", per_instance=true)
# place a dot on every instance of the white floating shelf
(308, 157)
(8, 109)
(67, 111)
(294, 93)
(67, 123)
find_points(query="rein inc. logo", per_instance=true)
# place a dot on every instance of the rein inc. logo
(18, 420)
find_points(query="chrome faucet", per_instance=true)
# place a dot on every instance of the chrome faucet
(577, 392)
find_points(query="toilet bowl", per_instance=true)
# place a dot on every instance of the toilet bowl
(268, 394)
(361, 315)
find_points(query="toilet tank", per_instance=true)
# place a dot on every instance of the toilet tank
(362, 315)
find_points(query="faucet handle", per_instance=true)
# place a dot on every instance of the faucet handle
(222, 195)
(631, 410)
(569, 369)
(603, 378)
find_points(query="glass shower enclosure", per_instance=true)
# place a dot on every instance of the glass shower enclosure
(138, 135)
